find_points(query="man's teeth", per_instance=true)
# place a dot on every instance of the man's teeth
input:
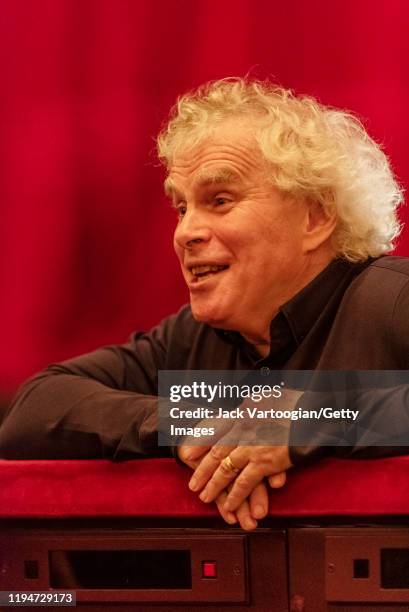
(202, 270)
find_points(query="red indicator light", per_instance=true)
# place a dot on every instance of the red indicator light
(209, 569)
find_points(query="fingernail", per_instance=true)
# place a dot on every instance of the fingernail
(193, 484)
(231, 518)
(250, 524)
(203, 496)
(259, 511)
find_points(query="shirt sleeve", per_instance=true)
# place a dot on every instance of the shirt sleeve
(99, 405)
(382, 427)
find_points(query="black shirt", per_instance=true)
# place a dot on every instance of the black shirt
(103, 404)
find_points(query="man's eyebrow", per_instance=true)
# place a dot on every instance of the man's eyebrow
(217, 175)
(205, 177)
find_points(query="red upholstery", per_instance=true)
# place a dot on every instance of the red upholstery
(158, 488)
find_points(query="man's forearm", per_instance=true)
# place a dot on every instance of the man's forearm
(62, 416)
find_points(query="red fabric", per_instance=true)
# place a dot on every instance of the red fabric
(158, 488)
(85, 235)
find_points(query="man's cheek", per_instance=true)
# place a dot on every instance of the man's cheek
(177, 248)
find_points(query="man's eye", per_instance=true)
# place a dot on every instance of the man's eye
(181, 210)
(221, 201)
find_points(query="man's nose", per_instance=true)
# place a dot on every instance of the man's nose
(192, 229)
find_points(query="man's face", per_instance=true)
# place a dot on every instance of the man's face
(239, 242)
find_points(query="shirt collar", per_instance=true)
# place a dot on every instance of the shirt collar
(297, 316)
(305, 308)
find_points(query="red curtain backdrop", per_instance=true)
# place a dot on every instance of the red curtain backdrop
(85, 233)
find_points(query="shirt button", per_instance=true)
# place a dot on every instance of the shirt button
(264, 371)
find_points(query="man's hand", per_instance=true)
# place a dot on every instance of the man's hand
(254, 462)
(245, 493)
(247, 513)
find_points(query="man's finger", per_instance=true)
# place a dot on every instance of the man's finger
(277, 480)
(243, 513)
(207, 467)
(245, 482)
(191, 453)
(259, 501)
(224, 475)
(229, 517)
(246, 520)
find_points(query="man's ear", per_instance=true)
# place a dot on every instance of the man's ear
(319, 226)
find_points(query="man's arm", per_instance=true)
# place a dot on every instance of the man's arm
(382, 428)
(102, 404)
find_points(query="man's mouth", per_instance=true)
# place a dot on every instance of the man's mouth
(201, 272)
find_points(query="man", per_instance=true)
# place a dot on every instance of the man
(285, 210)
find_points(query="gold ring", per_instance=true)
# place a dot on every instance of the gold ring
(229, 465)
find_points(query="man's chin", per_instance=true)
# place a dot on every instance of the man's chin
(209, 316)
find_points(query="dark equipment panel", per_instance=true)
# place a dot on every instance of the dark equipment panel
(349, 569)
(287, 567)
(140, 569)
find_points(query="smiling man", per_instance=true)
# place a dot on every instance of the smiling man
(286, 210)
(244, 248)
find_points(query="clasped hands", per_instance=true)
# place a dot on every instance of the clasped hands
(237, 486)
